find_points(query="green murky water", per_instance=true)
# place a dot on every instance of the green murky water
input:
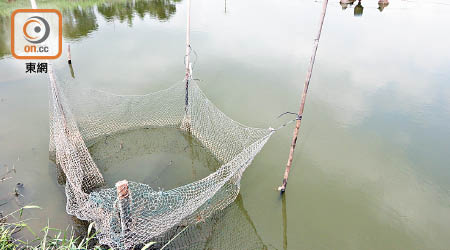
(160, 157)
(371, 169)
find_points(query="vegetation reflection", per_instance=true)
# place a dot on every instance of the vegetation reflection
(163, 10)
(80, 17)
(79, 23)
(5, 36)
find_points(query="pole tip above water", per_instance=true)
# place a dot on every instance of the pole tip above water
(122, 189)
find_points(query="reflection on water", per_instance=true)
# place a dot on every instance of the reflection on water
(79, 20)
(382, 4)
(125, 11)
(72, 72)
(5, 36)
(358, 9)
(79, 23)
(284, 216)
(371, 169)
(346, 3)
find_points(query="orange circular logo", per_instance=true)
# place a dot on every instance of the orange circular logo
(36, 29)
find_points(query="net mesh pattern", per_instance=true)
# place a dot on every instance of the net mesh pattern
(80, 117)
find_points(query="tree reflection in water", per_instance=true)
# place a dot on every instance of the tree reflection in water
(79, 23)
(80, 20)
(162, 10)
(5, 36)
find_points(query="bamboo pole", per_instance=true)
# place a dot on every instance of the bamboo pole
(282, 188)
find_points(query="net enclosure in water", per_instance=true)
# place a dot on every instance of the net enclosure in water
(81, 117)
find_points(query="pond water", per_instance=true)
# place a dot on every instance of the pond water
(160, 157)
(371, 168)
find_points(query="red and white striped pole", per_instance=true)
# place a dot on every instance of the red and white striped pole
(69, 56)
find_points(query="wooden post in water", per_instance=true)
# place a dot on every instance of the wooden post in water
(69, 56)
(123, 197)
(69, 61)
(282, 188)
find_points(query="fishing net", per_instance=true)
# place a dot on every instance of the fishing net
(230, 228)
(81, 117)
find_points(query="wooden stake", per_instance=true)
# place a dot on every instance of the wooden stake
(72, 73)
(282, 188)
(123, 197)
(122, 189)
(69, 57)
(69, 61)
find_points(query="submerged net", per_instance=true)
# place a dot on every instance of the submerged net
(81, 117)
(230, 228)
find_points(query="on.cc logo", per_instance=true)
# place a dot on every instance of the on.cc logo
(36, 33)
(36, 29)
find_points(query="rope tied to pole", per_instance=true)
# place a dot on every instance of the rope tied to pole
(297, 118)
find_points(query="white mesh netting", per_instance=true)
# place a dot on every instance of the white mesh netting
(81, 117)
